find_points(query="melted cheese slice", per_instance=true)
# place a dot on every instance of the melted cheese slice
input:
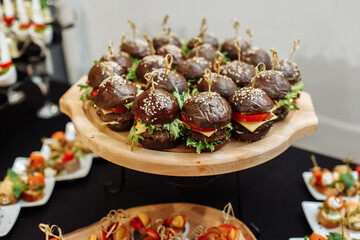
(106, 111)
(140, 128)
(252, 126)
(208, 134)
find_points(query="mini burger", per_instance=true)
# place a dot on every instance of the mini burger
(122, 58)
(156, 125)
(209, 116)
(113, 100)
(251, 114)
(137, 48)
(229, 44)
(331, 212)
(221, 84)
(176, 52)
(166, 36)
(96, 75)
(149, 63)
(240, 72)
(205, 37)
(205, 50)
(167, 79)
(277, 87)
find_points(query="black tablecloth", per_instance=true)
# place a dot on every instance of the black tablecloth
(270, 194)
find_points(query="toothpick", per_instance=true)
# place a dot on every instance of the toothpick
(49, 231)
(249, 33)
(123, 38)
(275, 58)
(134, 29)
(111, 46)
(113, 217)
(296, 45)
(197, 41)
(149, 77)
(313, 159)
(203, 27)
(199, 231)
(256, 70)
(208, 79)
(152, 49)
(107, 70)
(238, 48)
(236, 26)
(228, 213)
(168, 59)
(166, 18)
(217, 61)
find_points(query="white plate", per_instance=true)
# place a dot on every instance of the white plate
(297, 238)
(317, 195)
(311, 209)
(49, 187)
(8, 216)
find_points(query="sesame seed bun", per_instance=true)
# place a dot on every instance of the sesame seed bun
(137, 49)
(193, 67)
(255, 55)
(290, 70)
(175, 51)
(148, 64)
(251, 100)
(169, 81)
(207, 37)
(98, 73)
(205, 50)
(164, 38)
(221, 84)
(229, 47)
(240, 72)
(122, 58)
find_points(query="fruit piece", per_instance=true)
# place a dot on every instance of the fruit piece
(227, 226)
(103, 235)
(232, 234)
(178, 221)
(144, 219)
(68, 156)
(167, 223)
(37, 179)
(121, 233)
(31, 196)
(60, 136)
(152, 233)
(315, 236)
(136, 223)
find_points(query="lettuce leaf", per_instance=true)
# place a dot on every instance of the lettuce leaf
(18, 185)
(180, 97)
(133, 137)
(131, 75)
(185, 49)
(86, 93)
(348, 179)
(225, 58)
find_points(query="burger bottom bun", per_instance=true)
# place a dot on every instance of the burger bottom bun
(159, 140)
(281, 113)
(218, 146)
(325, 221)
(216, 136)
(125, 120)
(242, 134)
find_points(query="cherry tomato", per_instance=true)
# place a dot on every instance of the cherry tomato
(60, 136)
(8, 20)
(6, 65)
(318, 175)
(103, 235)
(136, 223)
(336, 197)
(94, 91)
(152, 233)
(258, 117)
(24, 25)
(68, 156)
(357, 168)
(36, 179)
(193, 127)
(39, 26)
(167, 223)
(36, 159)
(315, 236)
(118, 110)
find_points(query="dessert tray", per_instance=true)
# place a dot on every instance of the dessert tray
(8, 216)
(195, 214)
(181, 161)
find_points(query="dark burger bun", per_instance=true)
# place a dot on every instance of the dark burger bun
(97, 73)
(221, 84)
(255, 55)
(207, 37)
(229, 47)
(156, 107)
(251, 101)
(159, 140)
(165, 38)
(243, 134)
(169, 81)
(205, 112)
(125, 120)
(193, 68)
(273, 83)
(205, 50)
(240, 72)
(122, 58)
(115, 92)
(290, 70)
(137, 49)
(281, 113)
(175, 51)
(148, 64)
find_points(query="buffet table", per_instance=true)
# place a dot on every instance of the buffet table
(267, 197)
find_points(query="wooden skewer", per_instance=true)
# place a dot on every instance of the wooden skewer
(168, 59)
(238, 48)
(296, 45)
(208, 79)
(152, 49)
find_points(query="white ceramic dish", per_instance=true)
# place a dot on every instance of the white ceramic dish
(317, 195)
(296, 238)
(8, 216)
(49, 187)
(311, 209)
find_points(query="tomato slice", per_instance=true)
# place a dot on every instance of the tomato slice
(39, 26)
(258, 117)
(336, 197)
(316, 236)
(193, 127)
(136, 223)
(357, 168)
(68, 156)
(227, 226)
(152, 233)
(36, 159)
(24, 25)
(60, 136)
(94, 91)
(6, 65)
(318, 175)
(8, 20)
(36, 179)
(118, 110)
(136, 117)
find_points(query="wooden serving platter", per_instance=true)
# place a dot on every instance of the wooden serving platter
(195, 214)
(234, 156)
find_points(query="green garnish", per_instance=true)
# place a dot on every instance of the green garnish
(225, 58)
(348, 179)
(131, 75)
(133, 137)
(287, 100)
(180, 98)
(129, 105)
(336, 236)
(88, 90)
(185, 49)
(140, 90)
(96, 62)
(18, 185)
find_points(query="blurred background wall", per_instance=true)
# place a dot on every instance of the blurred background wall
(329, 56)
